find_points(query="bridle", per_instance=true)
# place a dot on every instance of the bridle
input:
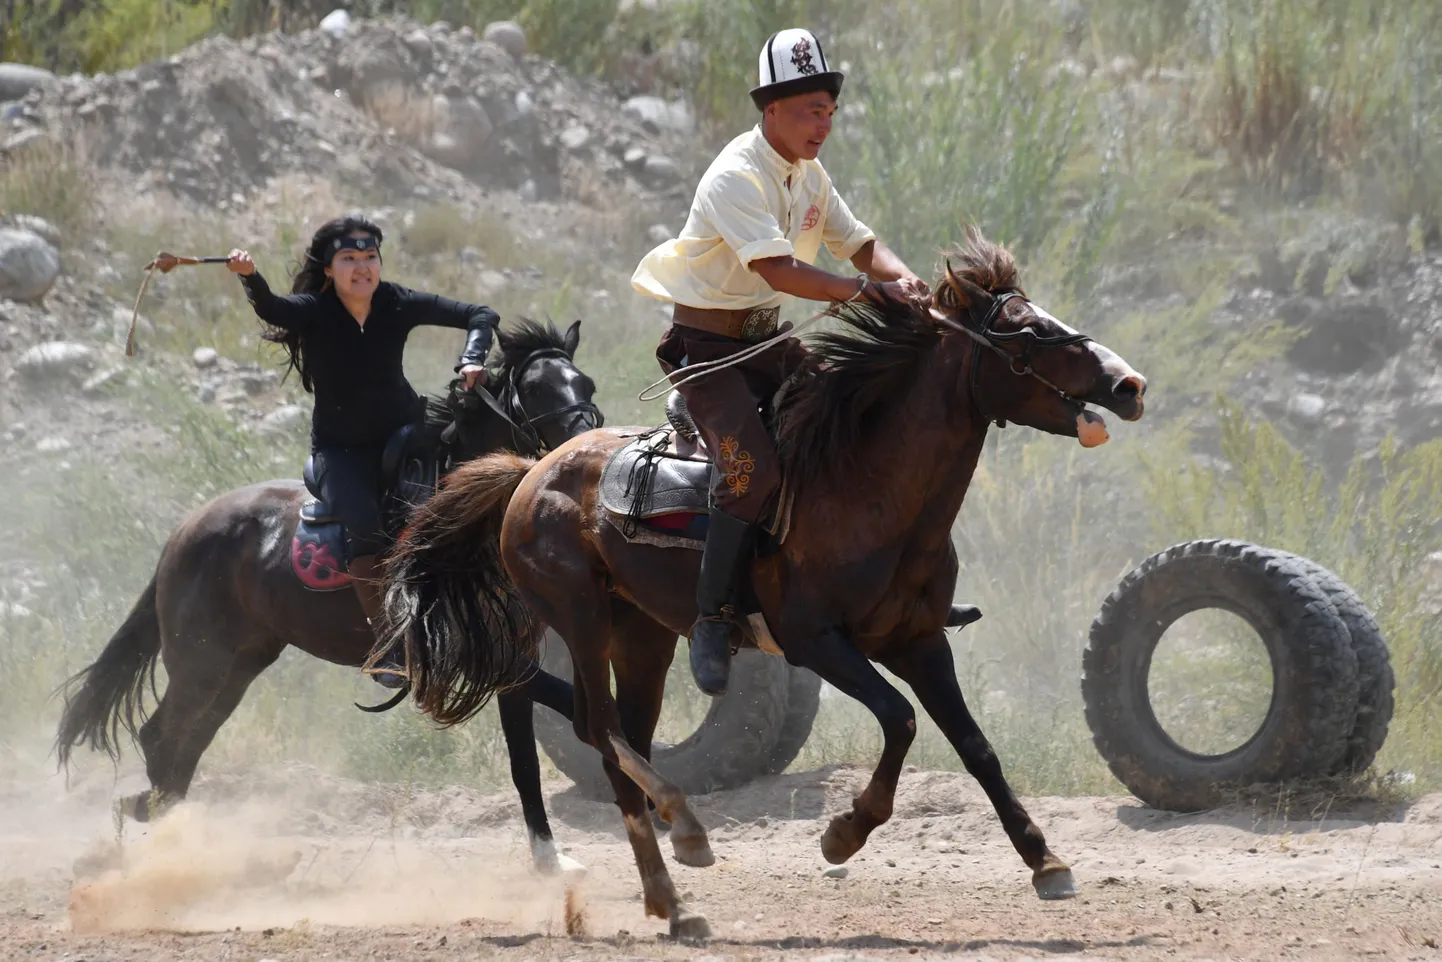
(1018, 364)
(525, 437)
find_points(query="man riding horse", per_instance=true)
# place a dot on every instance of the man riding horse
(759, 217)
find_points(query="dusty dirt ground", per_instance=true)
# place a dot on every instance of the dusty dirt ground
(297, 865)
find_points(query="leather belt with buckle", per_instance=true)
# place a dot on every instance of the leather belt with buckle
(752, 325)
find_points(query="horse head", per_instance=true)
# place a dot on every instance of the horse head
(1025, 365)
(535, 398)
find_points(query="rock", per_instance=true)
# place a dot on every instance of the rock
(1342, 336)
(528, 191)
(377, 68)
(462, 132)
(18, 79)
(634, 158)
(282, 419)
(9, 609)
(491, 282)
(508, 35)
(37, 225)
(53, 445)
(55, 360)
(336, 23)
(205, 394)
(659, 233)
(97, 383)
(661, 169)
(1066, 70)
(420, 43)
(1307, 408)
(29, 265)
(836, 871)
(205, 357)
(659, 114)
(575, 137)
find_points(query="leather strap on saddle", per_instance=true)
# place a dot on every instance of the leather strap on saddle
(750, 324)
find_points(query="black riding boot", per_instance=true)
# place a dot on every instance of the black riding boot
(962, 615)
(723, 561)
(390, 670)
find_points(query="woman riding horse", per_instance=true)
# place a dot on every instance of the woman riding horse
(345, 331)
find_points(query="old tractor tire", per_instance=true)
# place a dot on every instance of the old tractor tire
(802, 703)
(1375, 680)
(1310, 722)
(733, 745)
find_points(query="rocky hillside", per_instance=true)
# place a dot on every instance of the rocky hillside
(419, 116)
(405, 116)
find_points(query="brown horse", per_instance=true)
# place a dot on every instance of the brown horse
(228, 596)
(878, 441)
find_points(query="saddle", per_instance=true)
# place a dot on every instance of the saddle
(411, 467)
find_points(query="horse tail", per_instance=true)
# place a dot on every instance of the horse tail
(109, 694)
(466, 631)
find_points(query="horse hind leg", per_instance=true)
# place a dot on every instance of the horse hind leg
(834, 657)
(197, 701)
(928, 668)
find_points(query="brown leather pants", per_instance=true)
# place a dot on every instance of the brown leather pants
(724, 406)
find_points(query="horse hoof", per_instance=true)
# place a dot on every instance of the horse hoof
(555, 864)
(143, 808)
(840, 841)
(692, 850)
(689, 926)
(567, 866)
(1055, 886)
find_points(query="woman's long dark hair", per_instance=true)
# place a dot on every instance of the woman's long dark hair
(311, 279)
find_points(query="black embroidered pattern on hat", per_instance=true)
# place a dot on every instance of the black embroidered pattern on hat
(801, 57)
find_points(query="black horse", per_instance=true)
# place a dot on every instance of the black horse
(255, 570)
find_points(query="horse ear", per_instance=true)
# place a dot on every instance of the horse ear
(963, 294)
(573, 338)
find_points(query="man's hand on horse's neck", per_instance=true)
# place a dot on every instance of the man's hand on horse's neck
(787, 275)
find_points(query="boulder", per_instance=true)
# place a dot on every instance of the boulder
(508, 35)
(29, 265)
(18, 79)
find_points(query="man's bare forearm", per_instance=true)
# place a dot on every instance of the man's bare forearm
(787, 275)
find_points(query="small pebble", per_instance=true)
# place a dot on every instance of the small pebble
(836, 871)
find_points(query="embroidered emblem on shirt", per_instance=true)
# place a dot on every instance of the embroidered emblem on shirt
(812, 216)
(801, 57)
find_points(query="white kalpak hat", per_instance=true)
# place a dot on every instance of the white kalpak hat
(792, 63)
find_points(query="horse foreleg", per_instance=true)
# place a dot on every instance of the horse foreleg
(517, 727)
(839, 662)
(928, 668)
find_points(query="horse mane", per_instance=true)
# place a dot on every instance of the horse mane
(525, 339)
(515, 345)
(851, 373)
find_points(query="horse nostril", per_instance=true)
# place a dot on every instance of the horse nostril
(1129, 388)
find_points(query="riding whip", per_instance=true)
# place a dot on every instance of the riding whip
(164, 262)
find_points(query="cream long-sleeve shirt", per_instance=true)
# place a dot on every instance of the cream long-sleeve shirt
(751, 203)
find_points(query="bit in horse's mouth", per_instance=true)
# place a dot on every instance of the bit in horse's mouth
(1091, 428)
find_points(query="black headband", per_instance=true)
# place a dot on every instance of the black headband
(366, 243)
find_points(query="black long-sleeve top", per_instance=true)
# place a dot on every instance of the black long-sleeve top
(362, 396)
